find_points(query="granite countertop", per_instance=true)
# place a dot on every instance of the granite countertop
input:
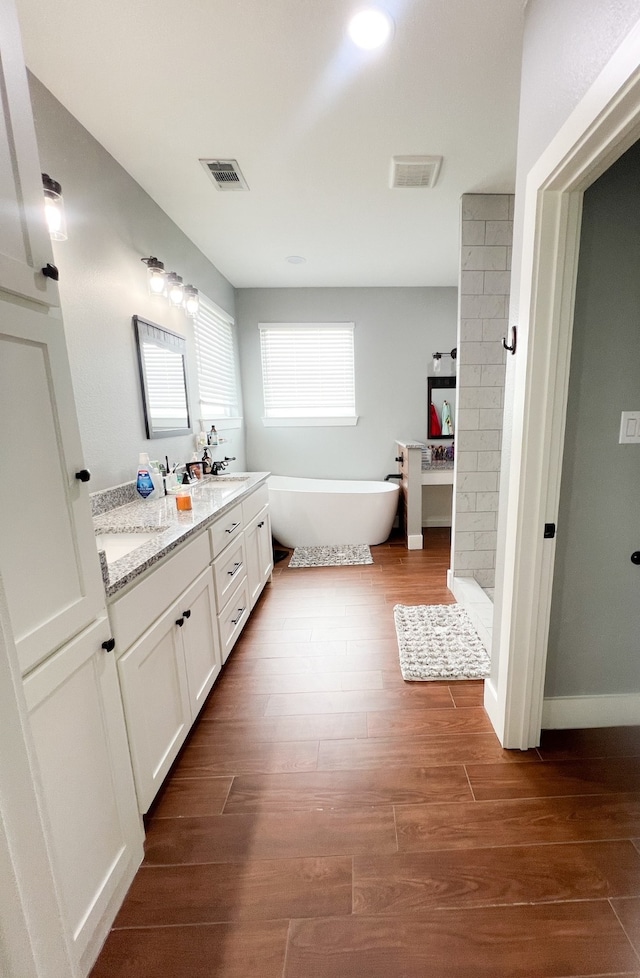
(170, 527)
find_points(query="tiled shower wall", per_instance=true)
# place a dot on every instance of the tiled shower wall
(485, 272)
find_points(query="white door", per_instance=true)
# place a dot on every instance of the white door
(200, 640)
(78, 729)
(156, 703)
(48, 559)
(25, 248)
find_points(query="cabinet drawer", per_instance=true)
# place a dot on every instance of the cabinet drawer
(232, 618)
(136, 610)
(226, 529)
(252, 506)
(229, 568)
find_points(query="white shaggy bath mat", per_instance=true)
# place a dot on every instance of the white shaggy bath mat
(438, 641)
(346, 555)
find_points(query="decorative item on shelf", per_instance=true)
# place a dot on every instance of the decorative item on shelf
(54, 208)
(437, 357)
(169, 285)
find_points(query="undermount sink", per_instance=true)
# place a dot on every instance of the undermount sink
(117, 545)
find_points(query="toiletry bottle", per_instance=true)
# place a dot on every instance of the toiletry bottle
(156, 477)
(144, 481)
(213, 435)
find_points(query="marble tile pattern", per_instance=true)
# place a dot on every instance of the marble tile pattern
(485, 273)
(210, 501)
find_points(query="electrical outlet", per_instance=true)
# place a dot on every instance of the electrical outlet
(630, 428)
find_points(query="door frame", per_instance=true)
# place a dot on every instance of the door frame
(604, 124)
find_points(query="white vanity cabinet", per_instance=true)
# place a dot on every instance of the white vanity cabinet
(258, 543)
(169, 658)
(76, 721)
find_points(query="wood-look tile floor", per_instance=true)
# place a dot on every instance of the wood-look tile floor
(328, 820)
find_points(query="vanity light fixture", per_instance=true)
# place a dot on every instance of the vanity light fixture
(54, 208)
(191, 301)
(175, 289)
(168, 285)
(156, 276)
(437, 357)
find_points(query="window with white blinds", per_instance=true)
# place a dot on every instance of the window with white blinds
(308, 373)
(215, 362)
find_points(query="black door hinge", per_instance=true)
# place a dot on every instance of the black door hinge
(549, 531)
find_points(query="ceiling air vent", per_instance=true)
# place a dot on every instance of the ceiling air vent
(226, 174)
(414, 171)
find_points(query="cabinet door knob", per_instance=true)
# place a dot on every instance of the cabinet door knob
(635, 557)
(109, 645)
(83, 475)
(261, 524)
(179, 622)
(187, 613)
(51, 271)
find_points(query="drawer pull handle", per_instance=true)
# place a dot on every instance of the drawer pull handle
(179, 622)
(234, 526)
(236, 568)
(109, 645)
(261, 524)
(234, 621)
(187, 613)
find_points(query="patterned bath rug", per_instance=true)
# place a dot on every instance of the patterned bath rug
(346, 555)
(438, 641)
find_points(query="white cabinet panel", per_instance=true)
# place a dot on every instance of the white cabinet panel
(156, 704)
(201, 646)
(232, 618)
(25, 247)
(48, 559)
(77, 723)
(259, 549)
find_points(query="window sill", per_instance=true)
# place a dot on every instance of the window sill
(308, 422)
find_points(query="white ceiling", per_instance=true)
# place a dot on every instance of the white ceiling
(312, 121)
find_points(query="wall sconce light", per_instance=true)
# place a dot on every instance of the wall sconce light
(175, 289)
(54, 208)
(437, 357)
(191, 301)
(156, 276)
(169, 286)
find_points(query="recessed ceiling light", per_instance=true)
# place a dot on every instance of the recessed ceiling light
(296, 259)
(370, 29)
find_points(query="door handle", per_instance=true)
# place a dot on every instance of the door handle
(234, 621)
(236, 568)
(635, 557)
(234, 526)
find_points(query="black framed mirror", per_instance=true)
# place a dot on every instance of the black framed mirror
(441, 407)
(162, 359)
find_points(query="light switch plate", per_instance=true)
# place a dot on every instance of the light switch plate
(630, 428)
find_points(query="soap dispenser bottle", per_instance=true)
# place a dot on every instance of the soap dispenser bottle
(144, 481)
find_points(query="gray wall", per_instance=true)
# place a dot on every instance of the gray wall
(396, 332)
(594, 640)
(566, 44)
(112, 223)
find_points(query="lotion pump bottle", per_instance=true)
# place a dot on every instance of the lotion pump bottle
(144, 481)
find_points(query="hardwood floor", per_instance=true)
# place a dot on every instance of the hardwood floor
(328, 820)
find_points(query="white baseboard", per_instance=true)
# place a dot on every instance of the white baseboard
(565, 712)
(415, 541)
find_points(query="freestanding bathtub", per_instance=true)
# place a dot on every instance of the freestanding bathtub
(318, 512)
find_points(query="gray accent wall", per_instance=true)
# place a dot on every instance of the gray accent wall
(112, 224)
(396, 332)
(594, 638)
